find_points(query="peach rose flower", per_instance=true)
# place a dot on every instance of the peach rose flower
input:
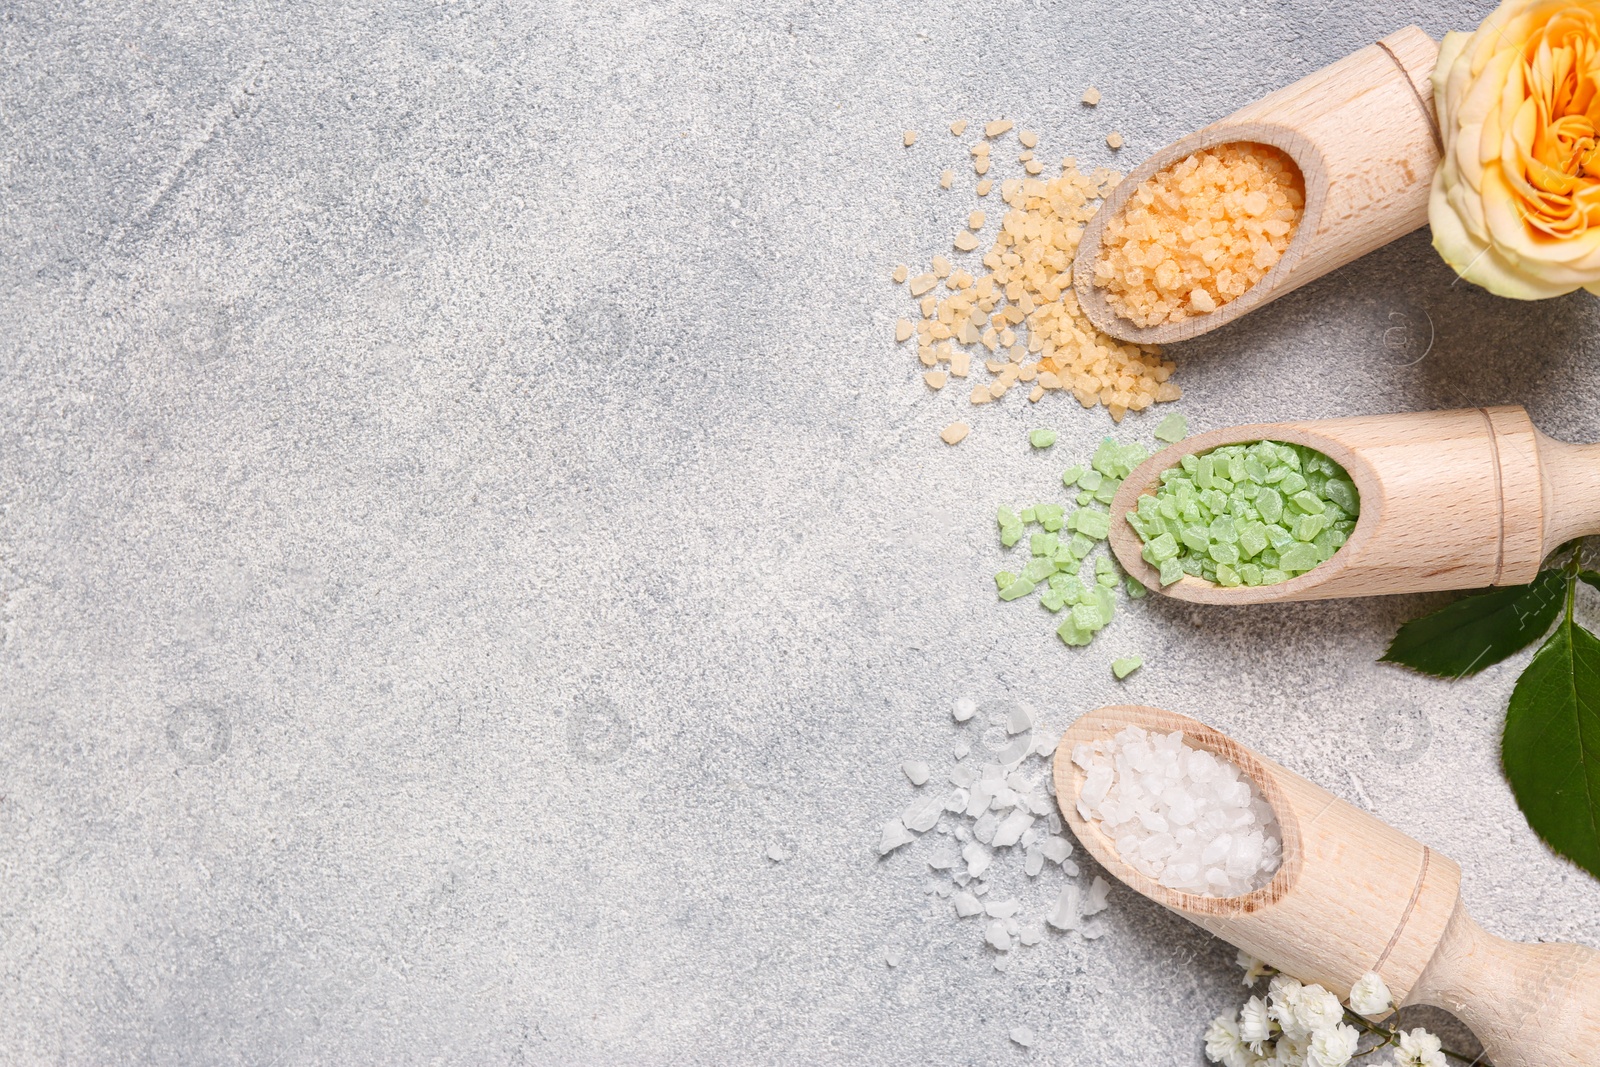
(1515, 205)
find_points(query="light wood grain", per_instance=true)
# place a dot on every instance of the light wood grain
(1449, 500)
(1364, 136)
(1356, 895)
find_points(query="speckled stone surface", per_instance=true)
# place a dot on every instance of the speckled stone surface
(460, 504)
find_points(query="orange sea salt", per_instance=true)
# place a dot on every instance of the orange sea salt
(1200, 233)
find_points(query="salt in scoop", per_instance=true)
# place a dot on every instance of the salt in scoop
(1364, 136)
(1354, 895)
(1449, 500)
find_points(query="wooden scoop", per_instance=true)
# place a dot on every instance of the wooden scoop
(1355, 895)
(1449, 500)
(1365, 138)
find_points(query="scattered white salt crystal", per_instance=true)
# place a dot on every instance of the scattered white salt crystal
(1032, 933)
(1040, 804)
(985, 827)
(995, 933)
(1022, 1036)
(1002, 909)
(961, 749)
(964, 709)
(915, 770)
(1046, 745)
(978, 858)
(1010, 829)
(978, 798)
(1099, 889)
(1002, 963)
(892, 956)
(944, 858)
(921, 814)
(1093, 930)
(1069, 868)
(963, 776)
(776, 854)
(1033, 863)
(1015, 751)
(894, 835)
(966, 904)
(957, 801)
(1064, 916)
(1021, 719)
(1056, 849)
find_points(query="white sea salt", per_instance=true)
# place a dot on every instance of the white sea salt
(1183, 816)
(776, 854)
(894, 835)
(916, 771)
(1022, 1036)
(922, 813)
(965, 709)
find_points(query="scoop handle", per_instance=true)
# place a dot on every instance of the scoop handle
(1530, 1005)
(1571, 477)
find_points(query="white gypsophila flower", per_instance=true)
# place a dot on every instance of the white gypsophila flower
(1419, 1049)
(1370, 997)
(1333, 1047)
(1281, 996)
(1224, 1046)
(1254, 969)
(1255, 1023)
(1289, 1052)
(1316, 1009)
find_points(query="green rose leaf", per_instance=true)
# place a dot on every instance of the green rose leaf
(1551, 748)
(1591, 578)
(1480, 630)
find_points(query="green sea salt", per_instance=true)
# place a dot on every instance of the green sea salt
(1246, 514)
(1126, 665)
(1060, 543)
(1172, 429)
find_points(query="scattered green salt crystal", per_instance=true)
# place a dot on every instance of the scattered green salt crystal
(1006, 517)
(1134, 588)
(1042, 438)
(1017, 589)
(1227, 577)
(1171, 429)
(1070, 476)
(1028, 515)
(1052, 600)
(1128, 664)
(1010, 535)
(1049, 516)
(1003, 579)
(1092, 523)
(1085, 498)
(1090, 481)
(1070, 634)
(1080, 545)
(1044, 544)
(1037, 570)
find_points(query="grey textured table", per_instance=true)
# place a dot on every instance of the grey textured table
(460, 505)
